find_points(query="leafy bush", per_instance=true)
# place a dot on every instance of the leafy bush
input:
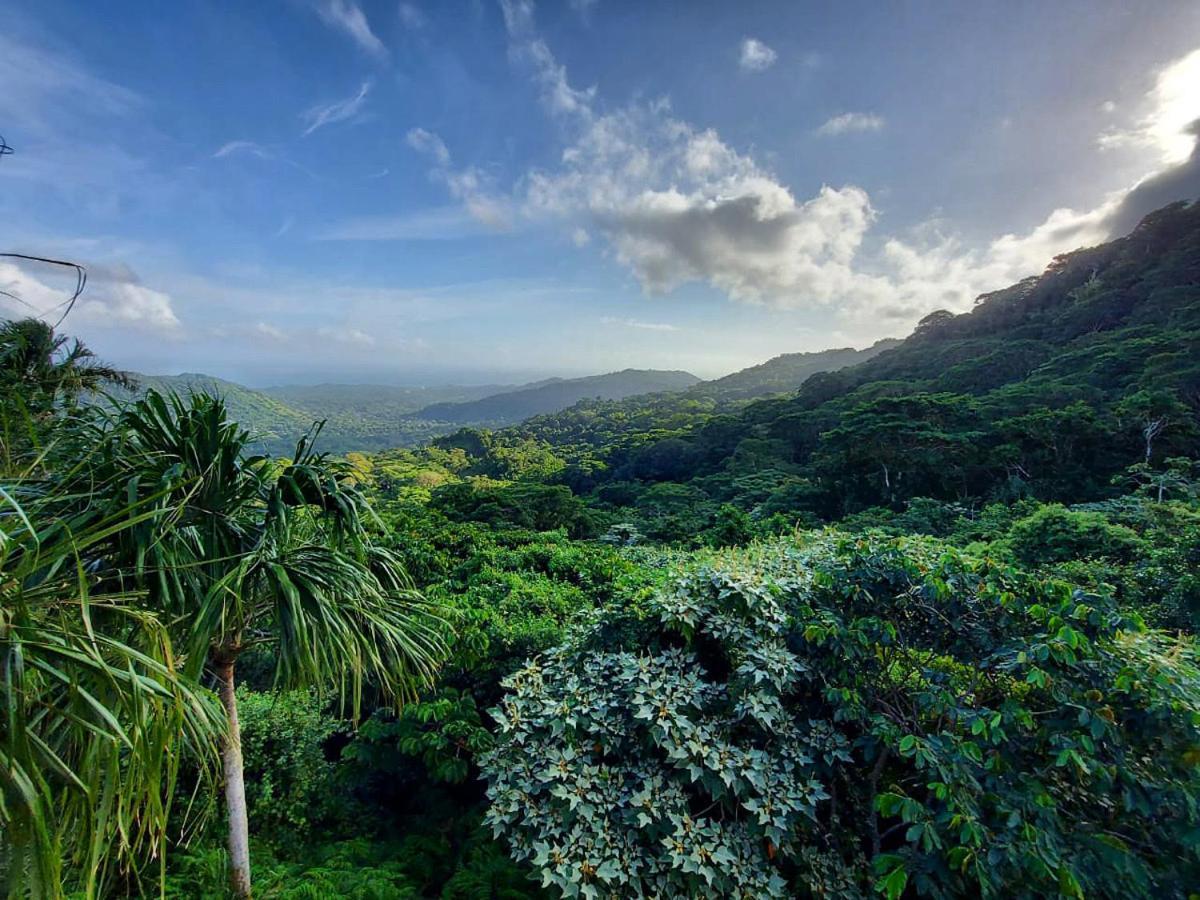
(289, 781)
(812, 719)
(1057, 534)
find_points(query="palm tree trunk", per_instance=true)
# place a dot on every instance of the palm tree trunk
(235, 787)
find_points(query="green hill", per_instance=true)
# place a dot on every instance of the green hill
(515, 406)
(784, 373)
(1050, 388)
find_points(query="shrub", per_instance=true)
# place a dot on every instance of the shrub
(821, 718)
(1057, 534)
(289, 782)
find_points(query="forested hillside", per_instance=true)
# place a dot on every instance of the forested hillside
(1049, 389)
(515, 406)
(784, 373)
(923, 627)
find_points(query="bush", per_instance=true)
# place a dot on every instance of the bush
(821, 718)
(1056, 534)
(289, 782)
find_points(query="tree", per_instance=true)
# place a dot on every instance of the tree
(42, 374)
(824, 716)
(1153, 412)
(97, 715)
(251, 552)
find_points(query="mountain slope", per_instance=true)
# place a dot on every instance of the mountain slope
(1052, 387)
(275, 424)
(784, 373)
(515, 406)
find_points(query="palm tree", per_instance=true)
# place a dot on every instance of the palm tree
(42, 376)
(263, 553)
(97, 716)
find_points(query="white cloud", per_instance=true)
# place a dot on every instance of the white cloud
(42, 89)
(755, 55)
(636, 323)
(113, 298)
(851, 121)
(232, 148)
(327, 114)
(411, 17)
(580, 237)
(347, 17)
(1173, 106)
(677, 204)
(345, 334)
(471, 185)
(551, 76)
(428, 143)
(269, 331)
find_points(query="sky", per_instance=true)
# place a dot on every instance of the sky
(296, 191)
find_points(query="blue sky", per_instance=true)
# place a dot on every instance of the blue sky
(347, 190)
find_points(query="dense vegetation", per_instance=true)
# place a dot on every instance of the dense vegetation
(923, 627)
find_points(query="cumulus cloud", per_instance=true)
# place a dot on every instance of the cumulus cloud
(676, 203)
(1168, 131)
(267, 330)
(345, 16)
(755, 55)
(114, 298)
(1173, 106)
(339, 111)
(850, 121)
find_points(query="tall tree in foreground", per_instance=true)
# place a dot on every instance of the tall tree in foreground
(96, 716)
(263, 553)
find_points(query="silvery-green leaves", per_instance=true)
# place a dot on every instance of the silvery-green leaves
(605, 758)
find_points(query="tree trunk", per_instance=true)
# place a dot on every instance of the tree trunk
(235, 787)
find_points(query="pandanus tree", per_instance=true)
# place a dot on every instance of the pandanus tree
(252, 552)
(42, 376)
(96, 715)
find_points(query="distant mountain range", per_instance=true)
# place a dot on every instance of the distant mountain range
(516, 406)
(370, 417)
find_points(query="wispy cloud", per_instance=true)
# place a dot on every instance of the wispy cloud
(41, 88)
(851, 121)
(755, 55)
(327, 114)
(346, 334)
(636, 323)
(411, 17)
(248, 147)
(469, 185)
(347, 17)
(442, 223)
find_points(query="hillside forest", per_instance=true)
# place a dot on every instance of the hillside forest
(910, 621)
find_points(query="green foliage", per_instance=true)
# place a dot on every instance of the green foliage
(1057, 534)
(980, 730)
(444, 732)
(534, 506)
(290, 786)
